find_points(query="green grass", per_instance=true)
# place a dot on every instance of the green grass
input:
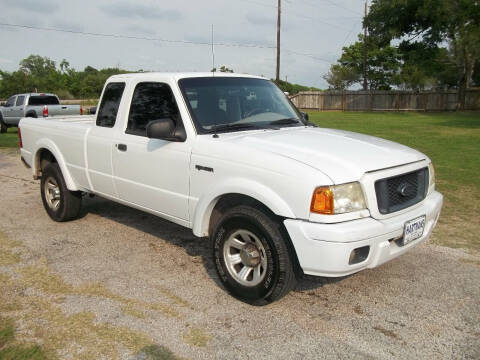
(9, 139)
(10, 349)
(452, 141)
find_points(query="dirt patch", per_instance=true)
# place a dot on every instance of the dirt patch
(119, 283)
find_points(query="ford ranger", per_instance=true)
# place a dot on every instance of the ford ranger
(33, 105)
(231, 158)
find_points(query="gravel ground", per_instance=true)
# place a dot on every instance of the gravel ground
(158, 280)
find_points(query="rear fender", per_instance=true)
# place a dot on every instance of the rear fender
(50, 146)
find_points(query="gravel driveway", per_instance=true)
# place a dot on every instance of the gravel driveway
(119, 283)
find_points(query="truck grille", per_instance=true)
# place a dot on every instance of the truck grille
(401, 191)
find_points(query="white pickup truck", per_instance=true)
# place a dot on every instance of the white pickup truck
(231, 158)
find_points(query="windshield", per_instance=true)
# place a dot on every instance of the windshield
(220, 104)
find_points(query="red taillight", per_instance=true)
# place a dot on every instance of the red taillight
(20, 144)
(81, 110)
(45, 111)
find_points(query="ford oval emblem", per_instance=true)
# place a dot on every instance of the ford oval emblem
(406, 189)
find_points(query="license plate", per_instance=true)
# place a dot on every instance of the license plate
(413, 229)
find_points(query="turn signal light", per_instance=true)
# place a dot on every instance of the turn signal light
(322, 201)
(20, 143)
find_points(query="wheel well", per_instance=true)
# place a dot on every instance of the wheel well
(44, 157)
(230, 200)
(31, 114)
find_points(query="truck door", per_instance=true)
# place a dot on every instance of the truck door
(7, 110)
(152, 173)
(100, 141)
(17, 112)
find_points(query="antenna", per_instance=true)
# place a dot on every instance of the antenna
(213, 54)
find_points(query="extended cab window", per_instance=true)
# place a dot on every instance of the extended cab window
(151, 101)
(20, 100)
(107, 113)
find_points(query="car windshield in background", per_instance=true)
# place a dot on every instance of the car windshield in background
(223, 104)
(43, 100)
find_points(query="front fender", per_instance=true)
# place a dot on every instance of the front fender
(206, 203)
(50, 146)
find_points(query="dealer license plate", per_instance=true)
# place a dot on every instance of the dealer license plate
(413, 229)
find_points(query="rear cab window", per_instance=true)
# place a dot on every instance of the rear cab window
(107, 112)
(39, 100)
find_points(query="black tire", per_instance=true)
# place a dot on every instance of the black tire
(279, 278)
(3, 126)
(32, 114)
(69, 202)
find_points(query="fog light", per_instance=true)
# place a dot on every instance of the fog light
(358, 255)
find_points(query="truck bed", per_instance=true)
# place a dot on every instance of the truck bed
(67, 132)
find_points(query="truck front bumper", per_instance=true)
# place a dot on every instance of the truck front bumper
(326, 249)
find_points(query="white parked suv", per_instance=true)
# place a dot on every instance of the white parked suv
(231, 158)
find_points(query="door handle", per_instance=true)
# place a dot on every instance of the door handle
(121, 147)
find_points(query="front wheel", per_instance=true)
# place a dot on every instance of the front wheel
(251, 255)
(60, 203)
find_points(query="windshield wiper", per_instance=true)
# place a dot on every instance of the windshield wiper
(288, 121)
(233, 127)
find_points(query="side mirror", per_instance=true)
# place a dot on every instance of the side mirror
(93, 110)
(305, 115)
(165, 129)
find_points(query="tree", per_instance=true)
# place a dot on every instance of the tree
(432, 23)
(383, 65)
(223, 68)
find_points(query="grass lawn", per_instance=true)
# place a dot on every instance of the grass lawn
(9, 139)
(452, 141)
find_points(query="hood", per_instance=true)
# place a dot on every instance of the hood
(341, 155)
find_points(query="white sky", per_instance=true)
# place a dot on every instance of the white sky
(316, 27)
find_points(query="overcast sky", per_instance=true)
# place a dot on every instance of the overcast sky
(316, 27)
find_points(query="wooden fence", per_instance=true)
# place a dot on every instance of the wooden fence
(384, 100)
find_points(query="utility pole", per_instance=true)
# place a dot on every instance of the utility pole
(365, 83)
(279, 10)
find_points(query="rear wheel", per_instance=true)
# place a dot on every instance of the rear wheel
(251, 255)
(3, 126)
(60, 203)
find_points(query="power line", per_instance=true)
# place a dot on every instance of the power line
(132, 37)
(260, 3)
(312, 56)
(300, 15)
(342, 7)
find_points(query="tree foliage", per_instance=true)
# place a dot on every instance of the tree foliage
(37, 73)
(382, 66)
(432, 23)
(293, 88)
(437, 45)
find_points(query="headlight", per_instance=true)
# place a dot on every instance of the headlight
(338, 199)
(431, 178)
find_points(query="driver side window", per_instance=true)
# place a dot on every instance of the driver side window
(151, 101)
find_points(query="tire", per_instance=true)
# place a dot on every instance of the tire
(60, 203)
(3, 126)
(32, 114)
(272, 273)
